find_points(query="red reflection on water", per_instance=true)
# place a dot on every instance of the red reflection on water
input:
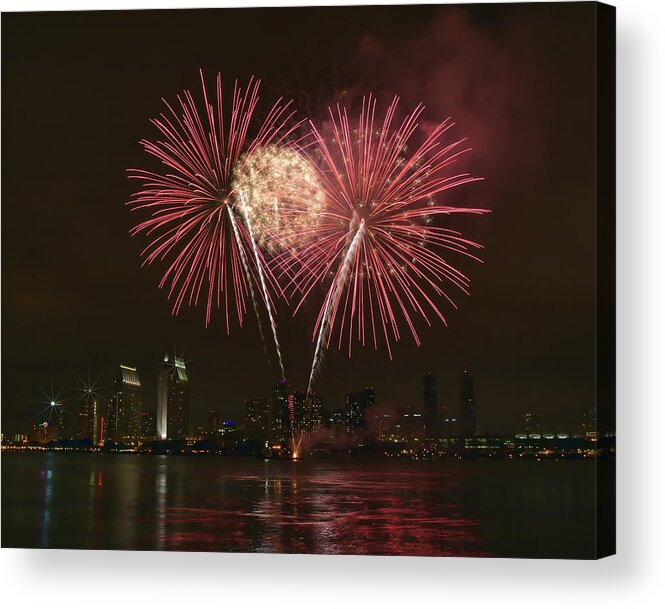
(323, 511)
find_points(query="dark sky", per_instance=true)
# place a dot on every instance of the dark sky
(78, 90)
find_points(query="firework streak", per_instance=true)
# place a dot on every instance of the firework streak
(266, 296)
(333, 299)
(243, 260)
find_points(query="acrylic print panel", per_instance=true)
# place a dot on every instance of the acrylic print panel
(339, 281)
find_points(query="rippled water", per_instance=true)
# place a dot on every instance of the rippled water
(201, 503)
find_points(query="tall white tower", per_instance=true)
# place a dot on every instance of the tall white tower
(163, 399)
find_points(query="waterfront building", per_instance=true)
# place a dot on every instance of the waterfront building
(338, 424)
(124, 416)
(431, 406)
(88, 417)
(307, 412)
(356, 405)
(258, 419)
(412, 426)
(148, 425)
(172, 399)
(467, 405)
(282, 414)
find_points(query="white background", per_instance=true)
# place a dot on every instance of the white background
(635, 577)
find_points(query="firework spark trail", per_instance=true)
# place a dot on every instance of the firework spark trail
(249, 283)
(331, 304)
(259, 267)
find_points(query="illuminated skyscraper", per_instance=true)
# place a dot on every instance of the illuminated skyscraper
(467, 405)
(357, 404)
(283, 413)
(384, 424)
(215, 422)
(258, 418)
(338, 423)
(148, 425)
(172, 399)
(67, 423)
(307, 414)
(412, 423)
(430, 406)
(88, 417)
(124, 416)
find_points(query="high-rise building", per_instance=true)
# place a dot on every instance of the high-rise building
(258, 418)
(338, 423)
(326, 418)
(412, 424)
(385, 426)
(215, 420)
(124, 416)
(148, 425)
(88, 417)
(172, 399)
(64, 424)
(467, 405)
(430, 406)
(307, 412)
(357, 404)
(283, 413)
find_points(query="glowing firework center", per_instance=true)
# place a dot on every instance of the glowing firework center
(283, 195)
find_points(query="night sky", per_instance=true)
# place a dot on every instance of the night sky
(78, 90)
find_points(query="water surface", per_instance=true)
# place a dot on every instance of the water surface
(349, 506)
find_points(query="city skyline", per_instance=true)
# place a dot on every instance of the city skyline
(291, 424)
(425, 391)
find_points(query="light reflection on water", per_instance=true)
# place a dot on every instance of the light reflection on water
(160, 501)
(462, 508)
(47, 493)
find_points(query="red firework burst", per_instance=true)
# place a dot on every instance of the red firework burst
(195, 222)
(377, 247)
